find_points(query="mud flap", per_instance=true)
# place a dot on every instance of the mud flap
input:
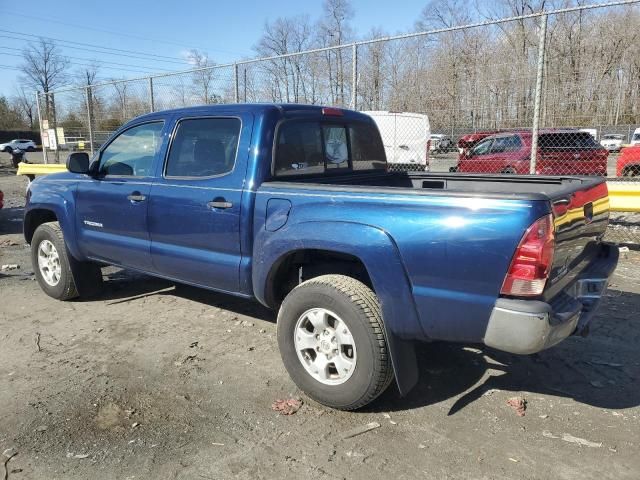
(87, 277)
(404, 363)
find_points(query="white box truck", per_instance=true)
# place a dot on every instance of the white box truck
(406, 138)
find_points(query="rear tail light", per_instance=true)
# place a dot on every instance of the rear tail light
(531, 264)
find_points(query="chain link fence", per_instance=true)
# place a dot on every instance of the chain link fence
(550, 93)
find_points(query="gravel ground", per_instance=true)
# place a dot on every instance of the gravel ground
(156, 380)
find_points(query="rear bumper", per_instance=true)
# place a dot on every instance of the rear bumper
(529, 326)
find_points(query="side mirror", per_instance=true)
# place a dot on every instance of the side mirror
(78, 162)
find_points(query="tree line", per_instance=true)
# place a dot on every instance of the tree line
(470, 79)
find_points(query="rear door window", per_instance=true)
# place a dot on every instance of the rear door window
(309, 147)
(567, 141)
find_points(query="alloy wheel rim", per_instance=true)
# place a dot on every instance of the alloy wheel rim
(49, 263)
(325, 346)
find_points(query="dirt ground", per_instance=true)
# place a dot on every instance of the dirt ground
(152, 380)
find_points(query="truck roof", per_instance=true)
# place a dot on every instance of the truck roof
(284, 109)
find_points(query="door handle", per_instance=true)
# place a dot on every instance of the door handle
(136, 197)
(219, 203)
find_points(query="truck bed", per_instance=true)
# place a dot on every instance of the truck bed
(494, 186)
(473, 222)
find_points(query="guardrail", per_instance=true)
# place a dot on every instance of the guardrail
(624, 197)
(31, 170)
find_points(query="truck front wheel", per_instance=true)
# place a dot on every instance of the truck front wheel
(52, 264)
(332, 343)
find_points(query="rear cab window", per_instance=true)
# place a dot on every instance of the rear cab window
(308, 147)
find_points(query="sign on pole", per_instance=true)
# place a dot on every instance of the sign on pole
(53, 144)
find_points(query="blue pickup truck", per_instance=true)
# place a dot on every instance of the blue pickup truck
(293, 206)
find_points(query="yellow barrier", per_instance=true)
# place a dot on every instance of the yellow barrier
(624, 197)
(32, 169)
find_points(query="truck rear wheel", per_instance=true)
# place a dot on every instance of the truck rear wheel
(53, 266)
(332, 343)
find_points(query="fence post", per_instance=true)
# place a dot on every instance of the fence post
(44, 148)
(354, 76)
(151, 100)
(536, 104)
(236, 83)
(244, 83)
(90, 116)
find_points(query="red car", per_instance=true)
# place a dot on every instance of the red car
(629, 162)
(1, 199)
(560, 152)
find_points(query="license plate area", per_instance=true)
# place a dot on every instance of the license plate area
(590, 288)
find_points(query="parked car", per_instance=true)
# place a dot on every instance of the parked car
(441, 143)
(560, 152)
(467, 142)
(406, 138)
(1, 199)
(612, 142)
(18, 144)
(635, 139)
(293, 206)
(629, 162)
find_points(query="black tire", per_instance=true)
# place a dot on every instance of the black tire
(65, 289)
(359, 309)
(31, 149)
(82, 279)
(8, 150)
(508, 171)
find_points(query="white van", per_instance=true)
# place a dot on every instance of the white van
(406, 137)
(591, 131)
(635, 139)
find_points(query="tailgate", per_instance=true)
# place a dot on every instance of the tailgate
(580, 218)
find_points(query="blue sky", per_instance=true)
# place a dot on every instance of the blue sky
(226, 30)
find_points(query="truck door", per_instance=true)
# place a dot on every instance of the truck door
(111, 208)
(194, 213)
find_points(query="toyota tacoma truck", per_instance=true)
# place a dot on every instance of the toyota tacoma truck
(293, 206)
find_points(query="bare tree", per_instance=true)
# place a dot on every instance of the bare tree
(10, 118)
(44, 68)
(335, 29)
(203, 77)
(87, 77)
(280, 37)
(25, 103)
